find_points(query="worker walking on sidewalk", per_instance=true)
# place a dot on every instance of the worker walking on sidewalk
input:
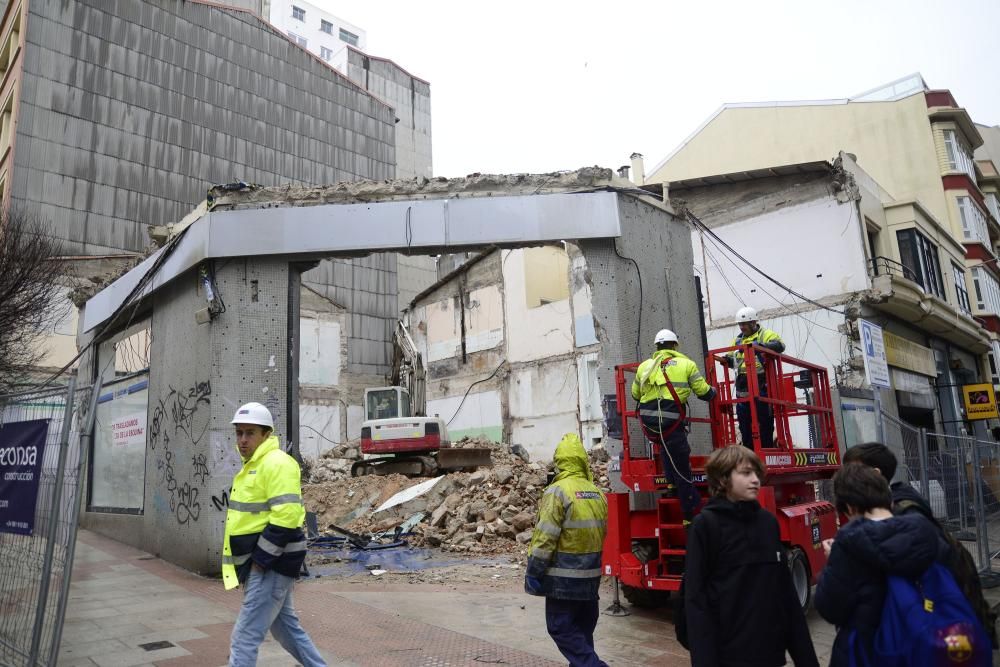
(752, 332)
(564, 560)
(264, 545)
(660, 413)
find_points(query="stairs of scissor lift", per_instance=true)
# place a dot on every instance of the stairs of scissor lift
(672, 536)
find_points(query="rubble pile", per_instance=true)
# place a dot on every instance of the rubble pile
(489, 511)
(334, 464)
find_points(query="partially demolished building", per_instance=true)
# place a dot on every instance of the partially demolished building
(224, 300)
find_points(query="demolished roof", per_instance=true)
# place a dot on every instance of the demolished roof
(357, 218)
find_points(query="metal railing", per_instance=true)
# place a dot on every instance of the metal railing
(36, 567)
(884, 266)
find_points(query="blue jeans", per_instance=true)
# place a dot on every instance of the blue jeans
(267, 603)
(571, 625)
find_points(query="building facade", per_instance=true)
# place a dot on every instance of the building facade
(821, 217)
(916, 145)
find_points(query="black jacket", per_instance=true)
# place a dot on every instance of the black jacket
(959, 561)
(741, 605)
(851, 589)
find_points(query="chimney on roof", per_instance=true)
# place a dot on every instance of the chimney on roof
(623, 171)
(638, 169)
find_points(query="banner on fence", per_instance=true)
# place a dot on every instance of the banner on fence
(22, 447)
(980, 401)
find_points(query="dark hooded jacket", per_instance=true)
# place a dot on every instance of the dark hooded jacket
(959, 561)
(851, 589)
(739, 598)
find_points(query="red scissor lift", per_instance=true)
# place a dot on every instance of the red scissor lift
(645, 548)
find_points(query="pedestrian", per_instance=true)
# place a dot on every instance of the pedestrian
(905, 500)
(264, 545)
(660, 413)
(873, 545)
(740, 603)
(564, 559)
(752, 332)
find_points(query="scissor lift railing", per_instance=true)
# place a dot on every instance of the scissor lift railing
(645, 548)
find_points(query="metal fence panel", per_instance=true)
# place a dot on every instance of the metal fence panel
(34, 576)
(959, 477)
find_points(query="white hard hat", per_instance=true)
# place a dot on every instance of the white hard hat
(746, 314)
(254, 413)
(665, 336)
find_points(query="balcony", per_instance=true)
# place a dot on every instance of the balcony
(896, 290)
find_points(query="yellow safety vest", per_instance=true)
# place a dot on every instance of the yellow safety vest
(650, 381)
(265, 515)
(762, 336)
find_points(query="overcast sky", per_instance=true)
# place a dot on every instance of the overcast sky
(545, 85)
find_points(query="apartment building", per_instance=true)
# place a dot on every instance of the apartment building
(932, 242)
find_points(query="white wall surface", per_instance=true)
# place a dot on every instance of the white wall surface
(483, 324)
(480, 414)
(320, 352)
(816, 248)
(533, 333)
(318, 426)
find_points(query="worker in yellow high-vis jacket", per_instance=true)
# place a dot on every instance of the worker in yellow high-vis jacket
(752, 332)
(660, 413)
(564, 559)
(264, 544)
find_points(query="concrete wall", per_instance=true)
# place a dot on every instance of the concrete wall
(199, 375)
(660, 245)
(893, 142)
(130, 111)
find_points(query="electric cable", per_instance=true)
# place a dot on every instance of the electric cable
(320, 434)
(137, 290)
(694, 220)
(638, 273)
(489, 377)
(776, 299)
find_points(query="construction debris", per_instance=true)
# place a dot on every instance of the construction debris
(490, 511)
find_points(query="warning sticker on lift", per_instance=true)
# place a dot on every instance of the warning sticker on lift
(815, 458)
(815, 531)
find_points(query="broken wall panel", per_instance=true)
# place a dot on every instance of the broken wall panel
(479, 415)
(538, 332)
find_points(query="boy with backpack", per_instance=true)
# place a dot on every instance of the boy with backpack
(905, 499)
(885, 589)
(740, 605)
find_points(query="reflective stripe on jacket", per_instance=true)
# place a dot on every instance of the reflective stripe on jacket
(650, 383)
(565, 552)
(265, 516)
(764, 337)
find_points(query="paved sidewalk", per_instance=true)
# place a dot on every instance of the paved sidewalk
(130, 608)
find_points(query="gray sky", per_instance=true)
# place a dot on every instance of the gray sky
(545, 85)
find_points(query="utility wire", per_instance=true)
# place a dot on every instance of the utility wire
(638, 273)
(490, 377)
(776, 299)
(698, 223)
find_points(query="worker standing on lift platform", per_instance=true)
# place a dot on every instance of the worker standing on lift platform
(752, 332)
(661, 415)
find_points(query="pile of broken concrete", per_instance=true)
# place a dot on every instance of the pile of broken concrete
(489, 511)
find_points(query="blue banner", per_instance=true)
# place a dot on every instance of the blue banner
(22, 446)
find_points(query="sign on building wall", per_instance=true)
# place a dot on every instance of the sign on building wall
(873, 348)
(980, 401)
(119, 460)
(903, 353)
(22, 445)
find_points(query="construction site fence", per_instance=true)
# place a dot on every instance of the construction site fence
(959, 477)
(36, 567)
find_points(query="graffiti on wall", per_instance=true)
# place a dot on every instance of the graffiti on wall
(185, 412)
(180, 420)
